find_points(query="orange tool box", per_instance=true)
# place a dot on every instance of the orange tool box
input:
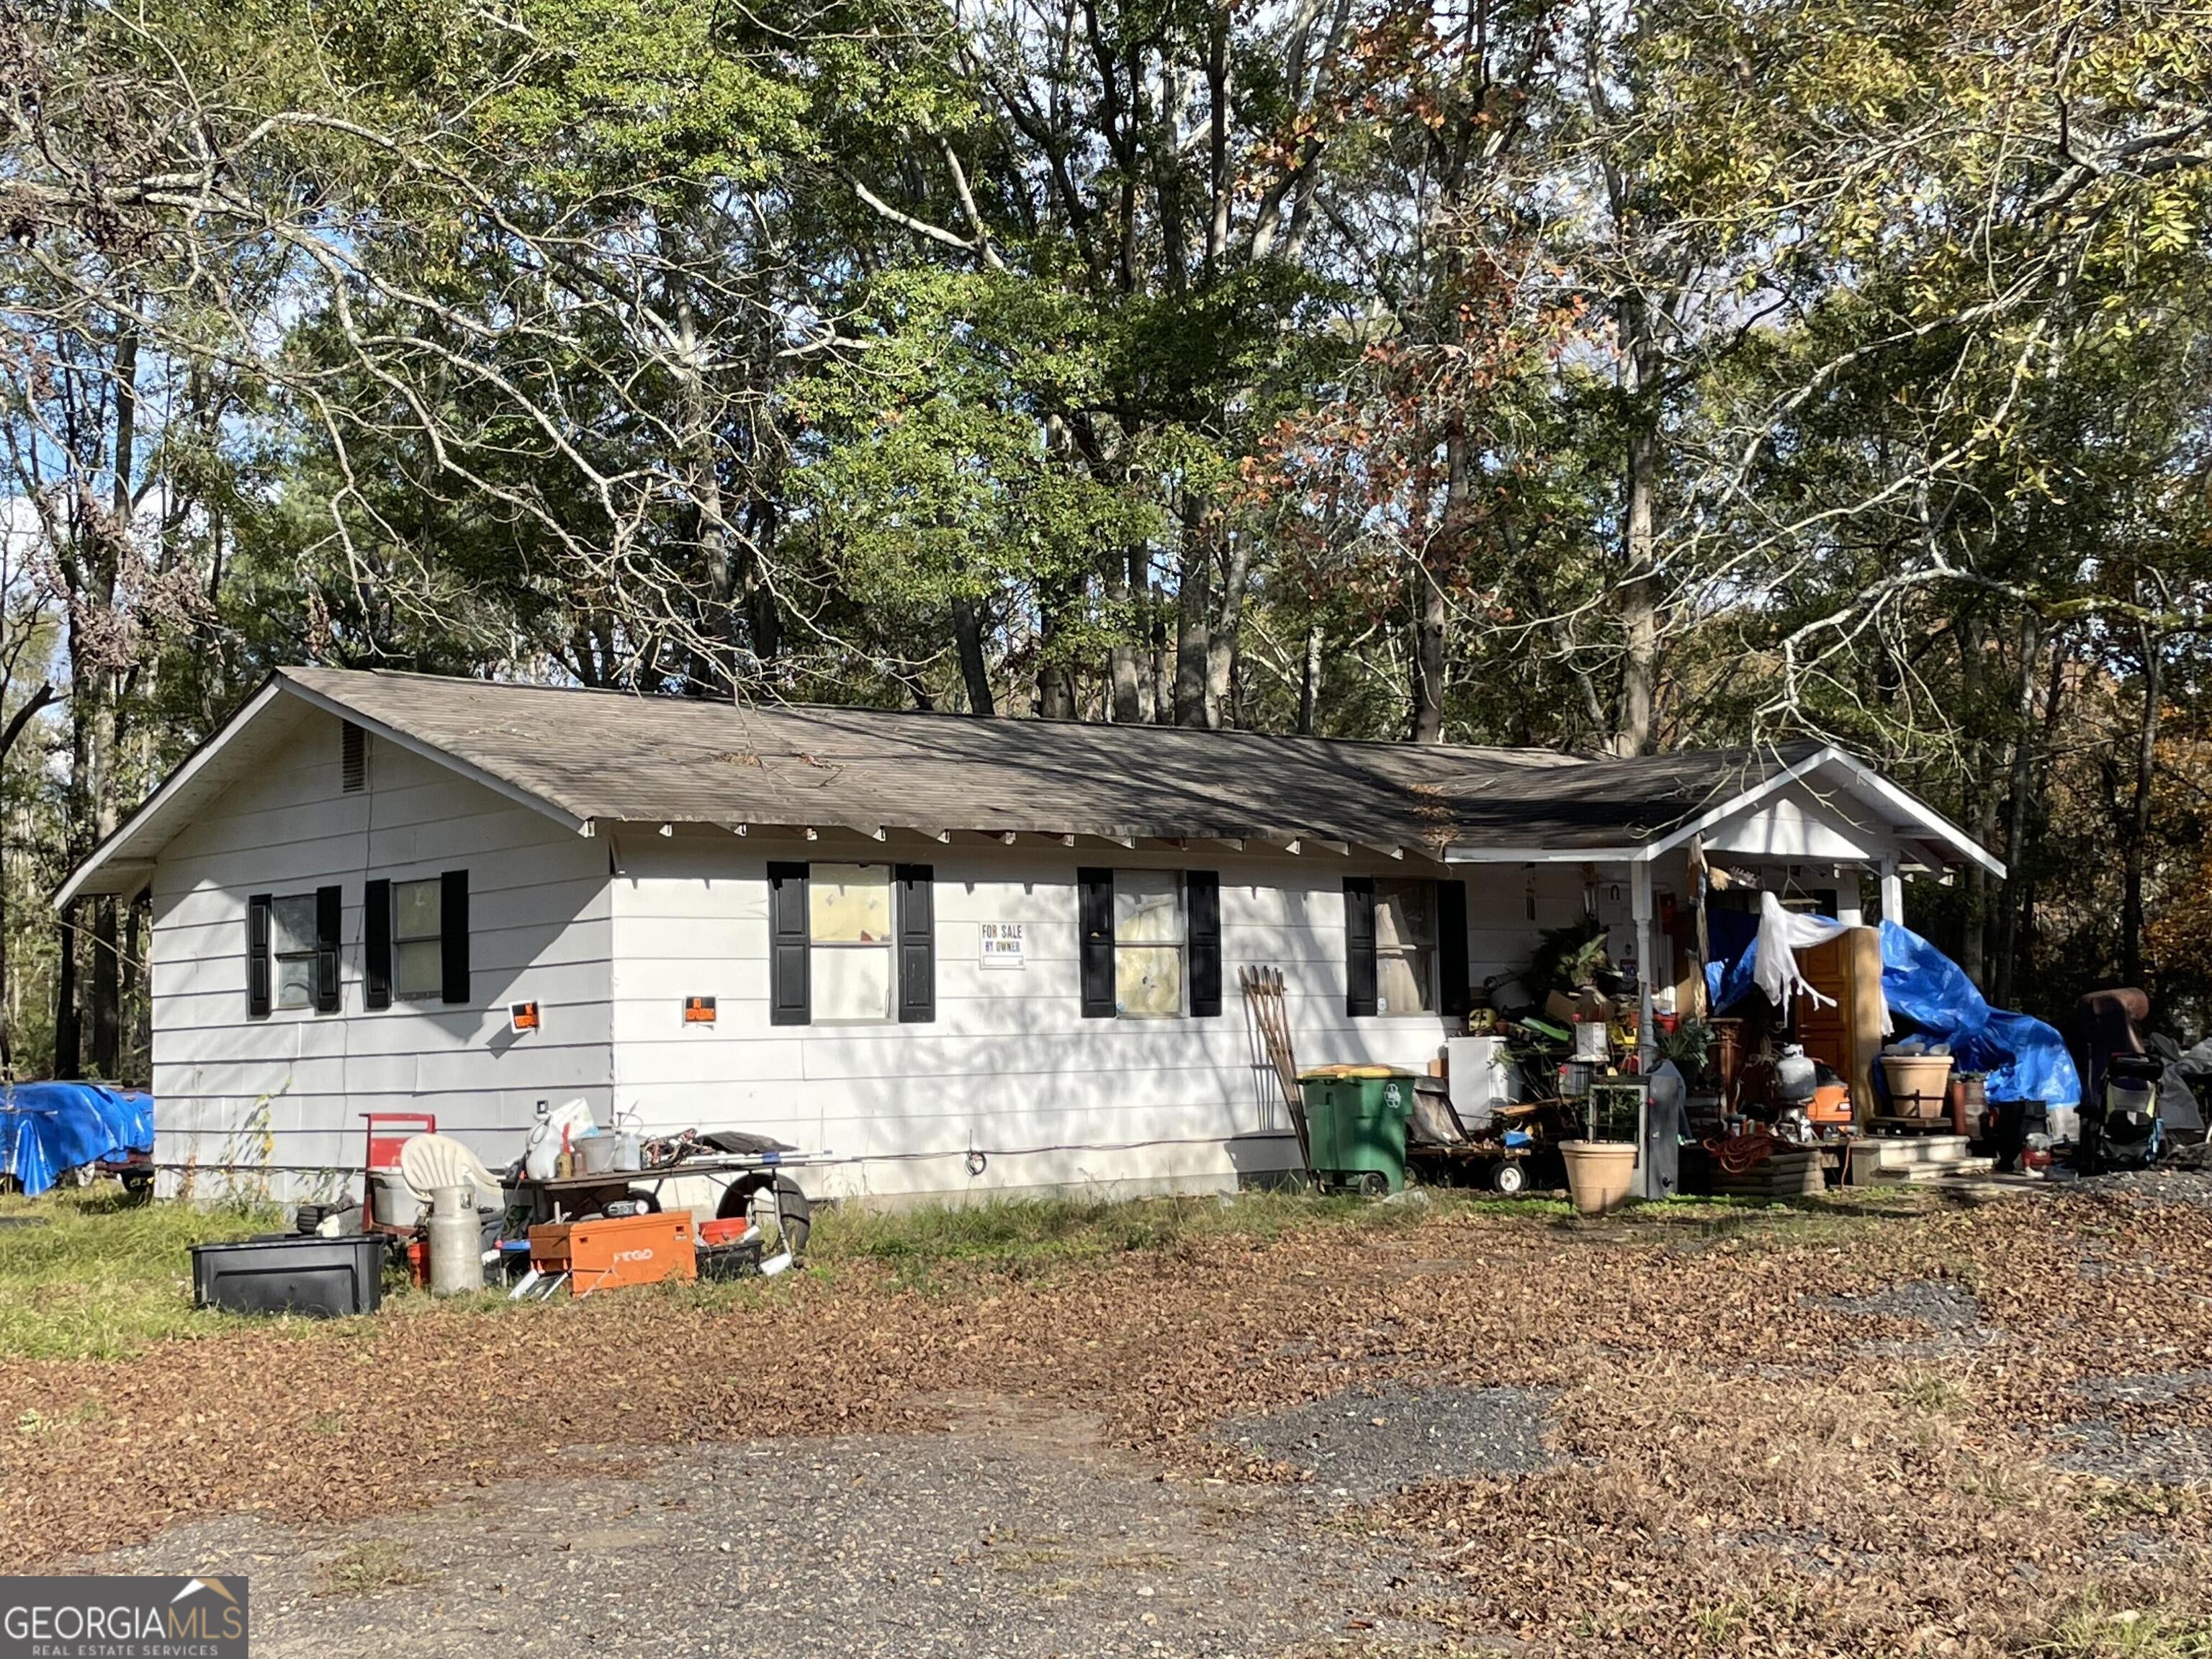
(605, 1255)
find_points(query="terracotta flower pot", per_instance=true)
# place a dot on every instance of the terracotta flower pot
(1917, 1083)
(1599, 1174)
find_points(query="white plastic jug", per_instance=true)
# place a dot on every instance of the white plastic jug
(539, 1157)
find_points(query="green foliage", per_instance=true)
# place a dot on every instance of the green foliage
(1784, 366)
(87, 1273)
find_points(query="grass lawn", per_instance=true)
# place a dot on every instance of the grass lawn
(86, 1272)
(1018, 1239)
(88, 1275)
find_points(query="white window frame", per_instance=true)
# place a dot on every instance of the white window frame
(400, 941)
(888, 944)
(278, 956)
(1180, 945)
(1424, 892)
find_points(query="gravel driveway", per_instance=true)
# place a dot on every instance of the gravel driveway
(1017, 1534)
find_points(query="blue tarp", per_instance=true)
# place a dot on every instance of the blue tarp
(46, 1128)
(1929, 995)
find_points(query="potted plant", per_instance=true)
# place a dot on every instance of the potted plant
(1688, 1045)
(1601, 1166)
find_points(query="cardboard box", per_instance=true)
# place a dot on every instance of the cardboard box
(606, 1254)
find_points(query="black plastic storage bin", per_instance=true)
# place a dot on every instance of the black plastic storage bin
(325, 1277)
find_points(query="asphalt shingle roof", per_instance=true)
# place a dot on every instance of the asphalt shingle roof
(606, 755)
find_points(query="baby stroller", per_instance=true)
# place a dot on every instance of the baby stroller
(2121, 1126)
(2122, 1130)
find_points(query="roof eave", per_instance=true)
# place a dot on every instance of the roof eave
(122, 864)
(110, 865)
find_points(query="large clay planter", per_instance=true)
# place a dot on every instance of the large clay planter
(1600, 1173)
(1917, 1083)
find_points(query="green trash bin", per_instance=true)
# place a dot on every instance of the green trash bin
(1355, 1126)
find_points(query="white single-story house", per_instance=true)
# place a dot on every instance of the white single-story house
(957, 954)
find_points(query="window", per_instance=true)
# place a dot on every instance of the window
(1148, 941)
(1404, 943)
(292, 944)
(849, 934)
(851, 943)
(415, 941)
(292, 951)
(418, 912)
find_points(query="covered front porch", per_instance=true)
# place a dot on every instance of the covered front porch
(1674, 890)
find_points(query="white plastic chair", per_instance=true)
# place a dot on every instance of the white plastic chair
(430, 1162)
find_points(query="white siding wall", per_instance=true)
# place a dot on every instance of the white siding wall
(1010, 1066)
(289, 1089)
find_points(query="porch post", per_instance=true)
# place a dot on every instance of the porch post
(1639, 899)
(1848, 910)
(1892, 891)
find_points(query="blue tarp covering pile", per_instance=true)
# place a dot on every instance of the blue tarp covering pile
(1929, 995)
(49, 1128)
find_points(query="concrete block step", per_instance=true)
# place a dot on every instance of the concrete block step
(1912, 1152)
(1921, 1174)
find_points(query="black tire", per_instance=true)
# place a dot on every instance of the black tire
(1374, 1184)
(1510, 1178)
(648, 1198)
(796, 1209)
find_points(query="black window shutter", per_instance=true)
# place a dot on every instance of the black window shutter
(917, 943)
(1452, 989)
(1203, 897)
(329, 907)
(257, 955)
(1095, 941)
(453, 934)
(1359, 945)
(790, 992)
(376, 944)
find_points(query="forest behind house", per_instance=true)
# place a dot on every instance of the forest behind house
(1616, 378)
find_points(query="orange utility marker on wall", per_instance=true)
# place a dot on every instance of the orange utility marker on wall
(608, 1253)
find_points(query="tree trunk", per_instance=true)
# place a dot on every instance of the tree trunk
(1228, 624)
(7, 987)
(99, 685)
(1635, 603)
(2019, 807)
(717, 673)
(20, 719)
(1309, 686)
(2131, 897)
(1428, 659)
(1055, 693)
(756, 555)
(106, 990)
(974, 668)
(1194, 614)
(1431, 618)
(1976, 800)
(69, 1043)
(1124, 680)
(137, 1063)
(1635, 599)
(1160, 691)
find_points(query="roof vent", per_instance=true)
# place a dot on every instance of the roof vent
(353, 758)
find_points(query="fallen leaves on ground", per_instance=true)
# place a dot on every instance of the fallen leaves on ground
(1749, 1462)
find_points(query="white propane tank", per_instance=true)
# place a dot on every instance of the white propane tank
(456, 1243)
